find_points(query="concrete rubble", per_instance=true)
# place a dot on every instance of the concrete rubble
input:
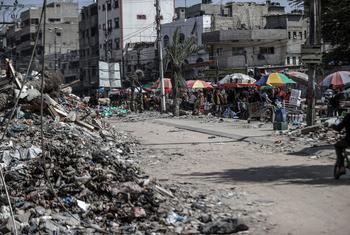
(86, 179)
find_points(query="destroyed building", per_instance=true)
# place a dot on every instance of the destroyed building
(61, 34)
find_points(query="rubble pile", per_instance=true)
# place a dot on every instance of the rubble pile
(85, 180)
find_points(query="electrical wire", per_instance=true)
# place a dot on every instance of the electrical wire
(24, 81)
(9, 201)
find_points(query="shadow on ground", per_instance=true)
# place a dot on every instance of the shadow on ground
(297, 174)
(312, 150)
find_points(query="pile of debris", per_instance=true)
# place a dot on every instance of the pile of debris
(85, 180)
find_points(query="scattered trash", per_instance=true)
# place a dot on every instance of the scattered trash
(173, 218)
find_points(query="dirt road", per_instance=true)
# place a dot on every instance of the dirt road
(285, 194)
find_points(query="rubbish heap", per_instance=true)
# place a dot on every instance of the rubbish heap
(85, 180)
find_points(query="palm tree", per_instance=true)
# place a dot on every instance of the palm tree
(176, 54)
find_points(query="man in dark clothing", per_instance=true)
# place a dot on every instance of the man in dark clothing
(342, 144)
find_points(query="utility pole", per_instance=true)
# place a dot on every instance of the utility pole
(55, 45)
(160, 55)
(246, 62)
(314, 40)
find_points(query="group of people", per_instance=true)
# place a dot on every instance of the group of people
(218, 101)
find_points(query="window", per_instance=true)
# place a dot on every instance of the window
(54, 19)
(305, 34)
(294, 60)
(166, 40)
(294, 35)
(288, 60)
(237, 50)
(182, 37)
(301, 35)
(110, 44)
(141, 17)
(58, 34)
(93, 31)
(34, 21)
(117, 43)
(116, 3)
(104, 27)
(109, 22)
(267, 50)
(116, 23)
(83, 34)
(87, 33)
(289, 35)
(103, 7)
(109, 6)
(219, 51)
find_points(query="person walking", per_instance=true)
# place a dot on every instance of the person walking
(341, 145)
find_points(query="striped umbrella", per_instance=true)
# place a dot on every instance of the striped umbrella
(237, 78)
(274, 79)
(198, 84)
(337, 79)
(298, 77)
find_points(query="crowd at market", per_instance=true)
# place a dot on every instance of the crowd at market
(234, 96)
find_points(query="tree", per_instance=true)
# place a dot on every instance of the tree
(176, 53)
(335, 26)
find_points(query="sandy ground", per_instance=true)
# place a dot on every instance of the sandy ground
(278, 193)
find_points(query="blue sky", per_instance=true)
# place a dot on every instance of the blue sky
(178, 2)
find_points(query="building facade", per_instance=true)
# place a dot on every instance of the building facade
(123, 22)
(62, 40)
(233, 34)
(247, 48)
(296, 26)
(191, 27)
(89, 48)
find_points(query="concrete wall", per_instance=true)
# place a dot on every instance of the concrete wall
(229, 60)
(250, 14)
(203, 9)
(230, 35)
(297, 31)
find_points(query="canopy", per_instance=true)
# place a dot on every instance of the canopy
(337, 79)
(237, 78)
(298, 77)
(198, 84)
(274, 79)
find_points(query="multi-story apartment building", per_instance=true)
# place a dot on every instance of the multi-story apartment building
(231, 33)
(253, 48)
(123, 24)
(62, 38)
(89, 48)
(296, 26)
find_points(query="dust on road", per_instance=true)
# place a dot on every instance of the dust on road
(278, 193)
